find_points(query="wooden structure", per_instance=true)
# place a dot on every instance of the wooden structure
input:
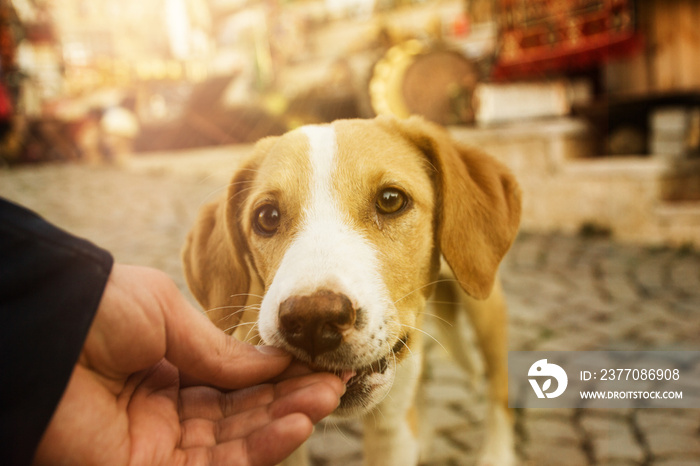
(670, 60)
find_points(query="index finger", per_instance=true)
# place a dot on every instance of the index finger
(205, 353)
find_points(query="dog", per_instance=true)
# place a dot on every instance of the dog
(329, 243)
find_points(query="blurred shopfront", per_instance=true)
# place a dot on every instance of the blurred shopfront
(177, 74)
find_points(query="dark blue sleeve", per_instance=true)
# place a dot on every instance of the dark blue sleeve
(51, 284)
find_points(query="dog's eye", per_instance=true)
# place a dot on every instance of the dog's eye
(267, 219)
(391, 201)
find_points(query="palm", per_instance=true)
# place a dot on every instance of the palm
(171, 426)
(152, 421)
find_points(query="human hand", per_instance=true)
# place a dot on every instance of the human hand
(131, 397)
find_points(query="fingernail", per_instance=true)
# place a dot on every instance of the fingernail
(345, 376)
(271, 350)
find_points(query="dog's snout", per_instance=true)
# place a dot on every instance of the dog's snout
(316, 323)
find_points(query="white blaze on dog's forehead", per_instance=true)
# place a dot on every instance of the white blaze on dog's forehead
(326, 241)
(334, 249)
(326, 253)
(322, 153)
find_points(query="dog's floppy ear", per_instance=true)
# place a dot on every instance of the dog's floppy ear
(215, 270)
(479, 204)
(214, 256)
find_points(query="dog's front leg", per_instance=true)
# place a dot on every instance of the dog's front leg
(391, 429)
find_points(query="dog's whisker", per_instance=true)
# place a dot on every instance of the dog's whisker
(220, 188)
(253, 295)
(379, 412)
(430, 314)
(396, 364)
(206, 178)
(454, 303)
(247, 169)
(426, 334)
(337, 428)
(252, 329)
(374, 414)
(393, 379)
(219, 308)
(235, 183)
(435, 282)
(342, 434)
(239, 325)
(240, 308)
(407, 347)
(242, 183)
(211, 194)
(222, 307)
(254, 171)
(430, 165)
(229, 315)
(239, 192)
(243, 309)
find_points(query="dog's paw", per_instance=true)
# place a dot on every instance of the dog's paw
(499, 448)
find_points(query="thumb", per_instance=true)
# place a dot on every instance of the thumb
(201, 350)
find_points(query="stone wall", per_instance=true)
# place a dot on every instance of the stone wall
(567, 187)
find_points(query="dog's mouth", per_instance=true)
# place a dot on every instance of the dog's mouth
(352, 376)
(360, 383)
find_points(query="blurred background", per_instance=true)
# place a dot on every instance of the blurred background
(119, 119)
(566, 92)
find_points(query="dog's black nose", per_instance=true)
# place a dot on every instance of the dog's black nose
(316, 323)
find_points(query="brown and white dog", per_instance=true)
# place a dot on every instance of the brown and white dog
(328, 244)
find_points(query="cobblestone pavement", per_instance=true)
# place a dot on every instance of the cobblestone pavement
(564, 293)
